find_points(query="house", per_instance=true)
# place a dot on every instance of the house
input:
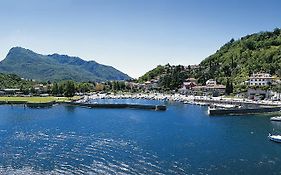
(192, 80)
(215, 90)
(258, 94)
(211, 82)
(260, 79)
(211, 88)
(40, 88)
(10, 91)
(188, 85)
(152, 84)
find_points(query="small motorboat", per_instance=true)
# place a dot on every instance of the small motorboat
(275, 138)
(276, 118)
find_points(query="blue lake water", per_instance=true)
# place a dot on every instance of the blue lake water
(181, 140)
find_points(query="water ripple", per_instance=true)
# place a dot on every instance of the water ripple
(48, 152)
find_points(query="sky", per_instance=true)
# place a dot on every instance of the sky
(133, 36)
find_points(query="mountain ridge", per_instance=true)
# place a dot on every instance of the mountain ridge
(56, 67)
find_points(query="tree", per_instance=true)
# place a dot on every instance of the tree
(55, 89)
(69, 90)
(228, 87)
(32, 90)
(61, 89)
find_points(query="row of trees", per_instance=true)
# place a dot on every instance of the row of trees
(69, 88)
(64, 89)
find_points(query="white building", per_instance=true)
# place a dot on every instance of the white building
(211, 82)
(260, 79)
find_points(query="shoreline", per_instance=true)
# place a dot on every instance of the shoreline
(187, 99)
(197, 100)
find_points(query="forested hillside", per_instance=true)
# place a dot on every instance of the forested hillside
(14, 81)
(260, 52)
(235, 61)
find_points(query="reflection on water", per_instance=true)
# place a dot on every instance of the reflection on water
(181, 140)
(70, 109)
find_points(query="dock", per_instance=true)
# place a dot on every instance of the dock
(121, 106)
(240, 111)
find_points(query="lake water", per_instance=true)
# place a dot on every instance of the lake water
(181, 140)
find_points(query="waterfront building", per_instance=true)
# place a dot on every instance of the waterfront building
(187, 86)
(258, 94)
(211, 82)
(214, 90)
(211, 88)
(260, 79)
(152, 84)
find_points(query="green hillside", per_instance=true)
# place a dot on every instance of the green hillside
(259, 52)
(154, 73)
(31, 65)
(235, 61)
(14, 81)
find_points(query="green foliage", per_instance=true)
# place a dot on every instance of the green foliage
(84, 87)
(55, 89)
(170, 77)
(69, 89)
(229, 87)
(260, 52)
(14, 81)
(56, 67)
(118, 85)
(174, 77)
(158, 71)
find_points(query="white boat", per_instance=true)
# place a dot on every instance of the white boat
(276, 118)
(275, 138)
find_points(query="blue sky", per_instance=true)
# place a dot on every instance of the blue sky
(132, 35)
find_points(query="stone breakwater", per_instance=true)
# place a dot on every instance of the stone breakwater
(235, 111)
(120, 106)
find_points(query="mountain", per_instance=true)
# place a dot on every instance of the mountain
(259, 52)
(55, 67)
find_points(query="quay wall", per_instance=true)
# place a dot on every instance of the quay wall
(50, 104)
(210, 101)
(243, 110)
(133, 106)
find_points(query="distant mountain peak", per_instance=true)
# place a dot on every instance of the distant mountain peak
(55, 67)
(20, 49)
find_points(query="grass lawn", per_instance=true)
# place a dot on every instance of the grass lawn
(39, 99)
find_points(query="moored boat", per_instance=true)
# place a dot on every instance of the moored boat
(275, 138)
(276, 118)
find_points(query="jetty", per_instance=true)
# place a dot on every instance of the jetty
(120, 106)
(240, 111)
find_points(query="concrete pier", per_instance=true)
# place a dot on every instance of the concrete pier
(239, 111)
(132, 106)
